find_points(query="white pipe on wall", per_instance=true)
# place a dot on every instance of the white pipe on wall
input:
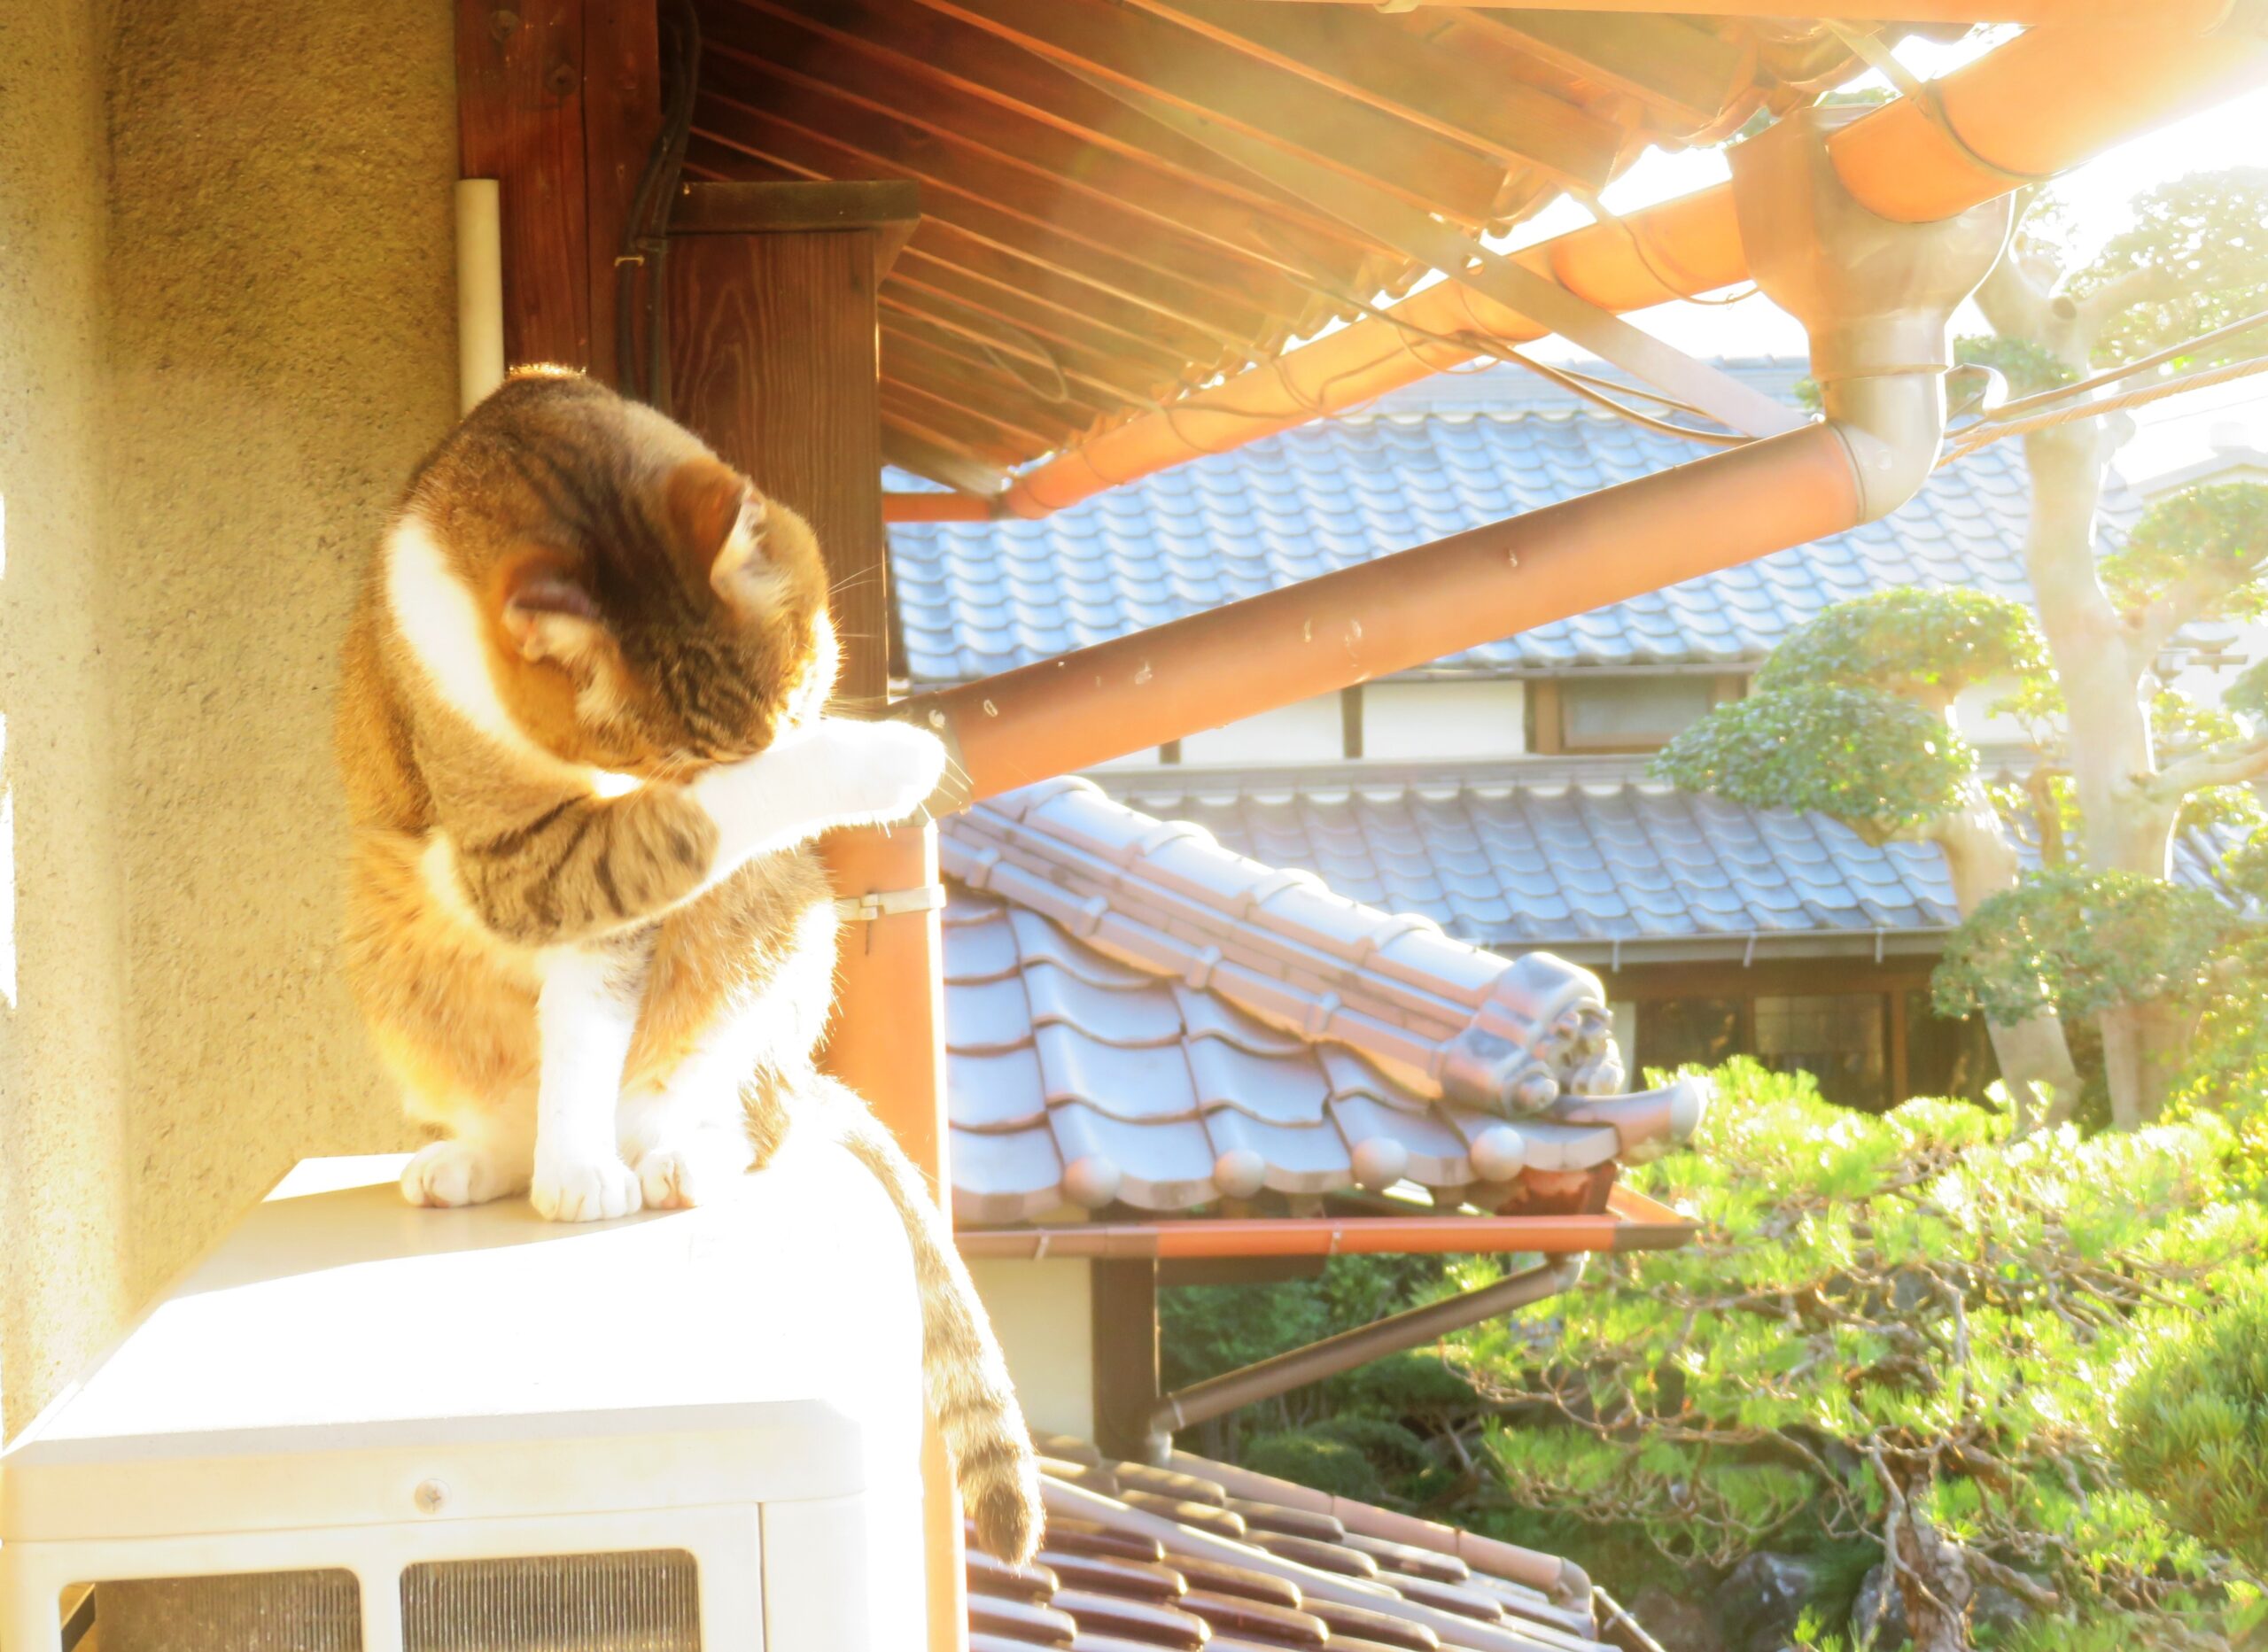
(480, 290)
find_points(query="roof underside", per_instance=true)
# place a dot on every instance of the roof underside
(1078, 263)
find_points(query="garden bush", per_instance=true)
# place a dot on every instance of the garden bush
(1903, 1334)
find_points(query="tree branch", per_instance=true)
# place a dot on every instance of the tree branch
(2190, 597)
(2015, 306)
(2106, 303)
(2231, 763)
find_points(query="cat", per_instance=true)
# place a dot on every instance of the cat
(581, 730)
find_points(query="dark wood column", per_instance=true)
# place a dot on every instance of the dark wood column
(772, 361)
(1125, 1333)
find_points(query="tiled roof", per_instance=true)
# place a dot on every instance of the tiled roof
(1589, 855)
(1203, 1553)
(976, 598)
(1135, 1016)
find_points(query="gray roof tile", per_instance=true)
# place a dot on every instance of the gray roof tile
(982, 597)
(1136, 1016)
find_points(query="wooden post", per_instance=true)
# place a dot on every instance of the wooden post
(558, 101)
(1125, 1342)
(772, 361)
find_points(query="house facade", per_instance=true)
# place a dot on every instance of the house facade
(1503, 792)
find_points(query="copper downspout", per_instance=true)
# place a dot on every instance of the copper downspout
(1413, 1328)
(2043, 103)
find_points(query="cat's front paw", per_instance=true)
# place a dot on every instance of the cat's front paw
(884, 772)
(585, 1190)
(443, 1175)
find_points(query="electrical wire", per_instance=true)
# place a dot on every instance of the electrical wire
(2111, 376)
(1980, 437)
(645, 232)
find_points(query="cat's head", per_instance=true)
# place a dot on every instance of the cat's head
(648, 608)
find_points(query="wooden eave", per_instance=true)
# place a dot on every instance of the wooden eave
(1078, 263)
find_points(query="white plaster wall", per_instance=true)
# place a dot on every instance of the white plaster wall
(1973, 717)
(1307, 731)
(1410, 722)
(1043, 1313)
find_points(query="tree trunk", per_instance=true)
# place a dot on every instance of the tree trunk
(1981, 862)
(1934, 1582)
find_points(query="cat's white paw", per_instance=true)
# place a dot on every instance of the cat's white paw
(884, 772)
(694, 1169)
(447, 1175)
(573, 1190)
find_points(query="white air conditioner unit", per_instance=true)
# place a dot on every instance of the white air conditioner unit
(358, 1427)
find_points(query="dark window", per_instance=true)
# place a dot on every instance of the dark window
(1674, 1032)
(1835, 1037)
(1630, 713)
(1945, 1056)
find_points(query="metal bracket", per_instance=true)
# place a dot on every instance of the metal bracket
(1419, 236)
(865, 909)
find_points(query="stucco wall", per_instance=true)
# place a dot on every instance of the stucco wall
(1043, 1313)
(270, 346)
(63, 1215)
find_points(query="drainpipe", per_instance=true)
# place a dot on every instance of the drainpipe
(1413, 1328)
(1876, 297)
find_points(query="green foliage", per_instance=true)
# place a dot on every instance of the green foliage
(2081, 941)
(2217, 535)
(1912, 641)
(1862, 756)
(2192, 1428)
(2207, 234)
(1913, 1295)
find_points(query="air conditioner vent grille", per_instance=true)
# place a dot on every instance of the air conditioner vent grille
(262, 1611)
(648, 1601)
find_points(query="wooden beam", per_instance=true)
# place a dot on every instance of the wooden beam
(861, 72)
(520, 121)
(960, 57)
(1235, 280)
(947, 467)
(1019, 295)
(1383, 66)
(1109, 380)
(889, 208)
(1258, 99)
(1665, 63)
(758, 130)
(1074, 397)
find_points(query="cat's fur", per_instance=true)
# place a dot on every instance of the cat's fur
(580, 730)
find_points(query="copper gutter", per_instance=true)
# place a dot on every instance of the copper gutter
(2045, 102)
(939, 507)
(1400, 612)
(1412, 1328)
(1632, 1222)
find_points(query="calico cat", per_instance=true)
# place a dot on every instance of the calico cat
(581, 729)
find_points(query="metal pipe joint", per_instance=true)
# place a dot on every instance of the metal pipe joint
(1875, 296)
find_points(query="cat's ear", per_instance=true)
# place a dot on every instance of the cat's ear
(725, 522)
(549, 616)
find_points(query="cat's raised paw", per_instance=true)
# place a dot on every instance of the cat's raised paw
(446, 1175)
(887, 770)
(579, 1190)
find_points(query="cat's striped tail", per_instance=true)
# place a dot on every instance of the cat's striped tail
(969, 1390)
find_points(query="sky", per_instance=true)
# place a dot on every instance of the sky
(2169, 434)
